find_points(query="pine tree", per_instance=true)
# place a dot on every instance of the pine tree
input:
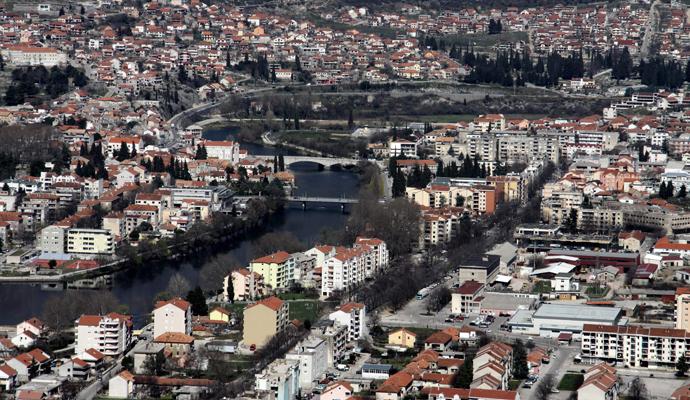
(275, 164)
(281, 162)
(123, 153)
(663, 190)
(682, 192)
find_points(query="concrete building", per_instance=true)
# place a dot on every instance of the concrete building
(90, 241)
(634, 346)
(109, 334)
(279, 380)
(30, 55)
(223, 150)
(277, 269)
(482, 269)
(467, 298)
(121, 386)
(246, 285)
(264, 319)
(551, 319)
(335, 336)
(52, 240)
(312, 355)
(682, 313)
(352, 315)
(402, 147)
(172, 316)
(600, 383)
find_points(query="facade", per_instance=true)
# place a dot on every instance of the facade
(109, 334)
(312, 354)
(482, 269)
(172, 316)
(467, 299)
(278, 269)
(552, 319)
(402, 338)
(683, 308)
(90, 241)
(29, 55)
(352, 315)
(600, 383)
(246, 285)
(264, 319)
(121, 386)
(335, 336)
(634, 346)
(397, 148)
(223, 150)
(52, 240)
(280, 380)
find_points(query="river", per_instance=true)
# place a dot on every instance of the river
(137, 288)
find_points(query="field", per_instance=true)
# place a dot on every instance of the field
(570, 382)
(304, 310)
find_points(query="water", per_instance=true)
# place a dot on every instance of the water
(137, 288)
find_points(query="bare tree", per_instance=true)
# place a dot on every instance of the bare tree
(438, 299)
(545, 386)
(214, 272)
(637, 390)
(276, 241)
(178, 285)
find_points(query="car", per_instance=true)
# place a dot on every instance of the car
(459, 318)
(488, 331)
(554, 390)
(449, 320)
(252, 347)
(527, 385)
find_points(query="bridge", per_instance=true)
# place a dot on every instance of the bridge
(325, 161)
(309, 199)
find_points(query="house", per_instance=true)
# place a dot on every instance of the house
(75, 368)
(8, 378)
(24, 339)
(93, 357)
(395, 387)
(340, 390)
(219, 314)
(402, 338)
(121, 386)
(177, 344)
(33, 325)
(144, 351)
(467, 299)
(631, 240)
(469, 394)
(600, 383)
(352, 315)
(264, 319)
(438, 341)
(172, 316)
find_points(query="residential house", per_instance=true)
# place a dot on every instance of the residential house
(172, 316)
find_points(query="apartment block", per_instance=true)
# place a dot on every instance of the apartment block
(90, 241)
(110, 334)
(277, 269)
(352, 315)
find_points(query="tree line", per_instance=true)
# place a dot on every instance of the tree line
(31, 81)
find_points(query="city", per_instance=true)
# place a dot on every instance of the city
(345, 200)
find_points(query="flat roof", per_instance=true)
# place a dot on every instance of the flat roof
(498, 301)
(578, 312)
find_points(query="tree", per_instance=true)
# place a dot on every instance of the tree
(463, 378)
(281, 162)
(178, 285)
(52, 264)
(399, 184)
(213, 273)
(350, 120)
(545, 387)
(438, 299)
(276, 241)
(198, 301)
(201, 153)
(123, 152)
(682, 192)
(682, 366)
(182, 74)
(663, 190)
(520, 370)
(637, 390)
(153, 364)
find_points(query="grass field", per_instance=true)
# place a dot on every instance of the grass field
(542, 287)
(570, 382)
(304, 310)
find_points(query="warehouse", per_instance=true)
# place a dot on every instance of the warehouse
(550, 320)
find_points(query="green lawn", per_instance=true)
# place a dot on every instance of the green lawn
(304, 310)
(597, 291)
(571, 382)
(298, 296)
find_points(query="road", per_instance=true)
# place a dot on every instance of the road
(650, 30)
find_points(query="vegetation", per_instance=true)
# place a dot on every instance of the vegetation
(31, 82)
(570, 382)
(520, 370)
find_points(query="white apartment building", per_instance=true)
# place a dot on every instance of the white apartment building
(352, 315)
(348, 267)
(172, 316)
(90, 241)
(402, 147)
(280, 380)
(312, 354)
(110, 334)
(52, 240)
(635, 346)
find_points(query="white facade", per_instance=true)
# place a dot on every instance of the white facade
(110, 334)
(312, 355)
(352, 315)
(172, 316)
(223, 150)
(405, 148)
(52, 240)
(90, 241)
(280, 379)
(27, 55)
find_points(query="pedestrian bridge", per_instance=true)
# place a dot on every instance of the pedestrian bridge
(324, 161)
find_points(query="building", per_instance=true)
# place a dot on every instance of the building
(402, 147)
(352, 315)
(52, 240)
(634, 346)
(223, 150)
(277, 269)
(30, 55)
(312, 354)
(177, 345)
(246, 285)
(469, 394)
(482, 269)
(280, 380)
(90, 241)
(402, 338)
(109, 334)
(600, 383)
(121, 386)
(263, 320)
(335, 336)
(467, 299)
(682, 313)
(8, 378)
(551, 319)
(172, 316)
